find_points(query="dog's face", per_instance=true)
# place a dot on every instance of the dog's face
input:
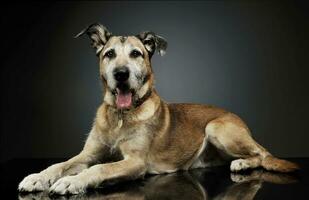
(125, 65)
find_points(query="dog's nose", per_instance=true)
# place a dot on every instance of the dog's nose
(121, 74)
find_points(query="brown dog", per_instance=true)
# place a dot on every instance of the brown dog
(135, 132)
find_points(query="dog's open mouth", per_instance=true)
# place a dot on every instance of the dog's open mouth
(124, 98)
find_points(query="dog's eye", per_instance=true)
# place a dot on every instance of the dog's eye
(135, 54)
(110, 54)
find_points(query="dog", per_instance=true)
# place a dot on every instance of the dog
(135, 132)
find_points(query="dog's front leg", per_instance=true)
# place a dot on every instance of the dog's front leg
(129, 168)
(91, 154)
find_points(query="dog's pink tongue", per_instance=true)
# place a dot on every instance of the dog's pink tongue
(123, 100)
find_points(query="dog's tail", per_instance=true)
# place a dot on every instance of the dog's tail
(272, 163)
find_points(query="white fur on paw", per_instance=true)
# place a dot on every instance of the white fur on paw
(34, 182)
(239, 164)
(68, 185)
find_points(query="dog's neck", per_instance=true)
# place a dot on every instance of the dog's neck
(144, 98)
(116, 118)
(138, 103)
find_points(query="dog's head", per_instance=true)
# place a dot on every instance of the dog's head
(125, 65)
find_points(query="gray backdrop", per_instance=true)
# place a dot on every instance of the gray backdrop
(249, 58)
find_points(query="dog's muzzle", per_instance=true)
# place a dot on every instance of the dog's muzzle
(124, 96)
(121, 74)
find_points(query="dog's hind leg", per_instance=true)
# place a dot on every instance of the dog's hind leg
(231, 135)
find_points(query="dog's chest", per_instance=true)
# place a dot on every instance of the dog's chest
(122, 133)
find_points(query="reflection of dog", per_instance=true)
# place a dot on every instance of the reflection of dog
(143, 134)
(182, 186)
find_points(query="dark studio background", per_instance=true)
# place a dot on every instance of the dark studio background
(248, 57)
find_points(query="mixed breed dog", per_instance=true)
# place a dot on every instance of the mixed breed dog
(135, 132)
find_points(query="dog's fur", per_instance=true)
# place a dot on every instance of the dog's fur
(149, 136)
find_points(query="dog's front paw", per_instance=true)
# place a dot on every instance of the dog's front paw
(34, 182)
(68, 185)
(239, 164)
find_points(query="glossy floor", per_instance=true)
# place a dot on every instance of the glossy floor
(215, 183)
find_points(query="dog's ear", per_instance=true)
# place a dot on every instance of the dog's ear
(98, 34)
(153, 42)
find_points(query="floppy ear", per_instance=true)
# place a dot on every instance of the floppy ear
(153, 42)
(98, 34)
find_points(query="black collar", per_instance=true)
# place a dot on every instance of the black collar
(140, 101)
